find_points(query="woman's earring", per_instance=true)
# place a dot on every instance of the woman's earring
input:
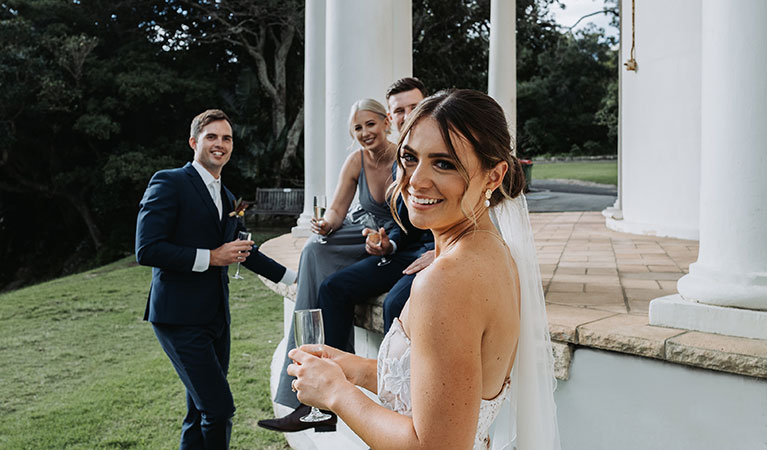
(488, 194)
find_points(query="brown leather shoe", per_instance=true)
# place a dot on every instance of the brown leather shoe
(292, 422)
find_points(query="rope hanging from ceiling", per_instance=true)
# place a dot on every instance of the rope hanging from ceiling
(631, 64)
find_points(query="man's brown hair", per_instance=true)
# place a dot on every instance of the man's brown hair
(406, 84)
(204, 118)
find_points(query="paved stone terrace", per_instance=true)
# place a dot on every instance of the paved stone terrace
(598, 285)
(584, 264)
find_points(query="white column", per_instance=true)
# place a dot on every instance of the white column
(368, 46)
(314, 111)
(402, 41)
(502, 70)
(615, 212)
(731, 271)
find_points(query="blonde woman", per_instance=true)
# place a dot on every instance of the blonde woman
(368, 171)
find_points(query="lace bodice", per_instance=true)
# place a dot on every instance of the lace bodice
(394, 383)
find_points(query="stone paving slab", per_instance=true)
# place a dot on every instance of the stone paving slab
(598, 285)
(725, 353)
(627, 333)
(565, 320)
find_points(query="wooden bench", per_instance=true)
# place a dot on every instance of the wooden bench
(278, 201)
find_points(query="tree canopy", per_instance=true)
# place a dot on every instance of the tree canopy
(98, 95)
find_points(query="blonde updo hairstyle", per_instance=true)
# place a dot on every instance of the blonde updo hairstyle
(367, 104)
(480, 120)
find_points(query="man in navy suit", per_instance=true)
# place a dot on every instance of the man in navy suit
(408, 253)
(186, 234)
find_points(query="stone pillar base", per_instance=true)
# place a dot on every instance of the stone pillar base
(676, 312)
(302, 228)
(614, 220)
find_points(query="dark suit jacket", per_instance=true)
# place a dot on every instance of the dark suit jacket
(176, 217)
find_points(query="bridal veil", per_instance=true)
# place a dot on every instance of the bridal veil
(529, 421)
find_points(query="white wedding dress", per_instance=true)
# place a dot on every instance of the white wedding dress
(394, 384)
(529, 419)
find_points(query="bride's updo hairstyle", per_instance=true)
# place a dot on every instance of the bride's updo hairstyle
(480, 120)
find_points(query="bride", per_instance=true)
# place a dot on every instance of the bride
(474, 330)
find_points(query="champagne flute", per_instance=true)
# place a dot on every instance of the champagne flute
(320, 205)
(308, 329)
(242, 236)
(375, 238)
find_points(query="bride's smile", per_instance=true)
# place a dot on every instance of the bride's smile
(443, 187)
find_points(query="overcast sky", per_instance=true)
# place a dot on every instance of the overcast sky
(579, 8)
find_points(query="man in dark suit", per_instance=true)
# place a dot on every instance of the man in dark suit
(408, 253)
(186, 233)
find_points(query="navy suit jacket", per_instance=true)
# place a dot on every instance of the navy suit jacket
(176, 217)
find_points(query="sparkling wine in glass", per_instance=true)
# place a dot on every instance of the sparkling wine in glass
(242, 236)
(320, 205)
(375, 238)
(308, 329)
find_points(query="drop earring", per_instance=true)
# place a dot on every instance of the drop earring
(488, 194)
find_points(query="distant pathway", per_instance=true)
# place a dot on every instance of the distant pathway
(569, 195)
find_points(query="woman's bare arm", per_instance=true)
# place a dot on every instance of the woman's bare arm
(358, 370)
(347, 185)
(446, 368)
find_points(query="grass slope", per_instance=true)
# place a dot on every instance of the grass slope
(603, 172)
(81, 370)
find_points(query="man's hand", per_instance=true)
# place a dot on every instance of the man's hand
(377, 242)
(419, 264)
(230, 253)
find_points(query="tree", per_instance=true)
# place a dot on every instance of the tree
(268, 34)
(86, 117)
(450, 43)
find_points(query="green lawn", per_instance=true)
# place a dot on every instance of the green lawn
(603, 172)
(81, 370)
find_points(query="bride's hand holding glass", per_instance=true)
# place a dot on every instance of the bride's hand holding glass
(320, 381)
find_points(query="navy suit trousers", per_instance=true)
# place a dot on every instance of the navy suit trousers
(358, 283)
(200, 355)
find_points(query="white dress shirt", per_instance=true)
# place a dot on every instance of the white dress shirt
(202, 259)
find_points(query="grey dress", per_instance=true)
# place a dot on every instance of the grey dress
(344, 247)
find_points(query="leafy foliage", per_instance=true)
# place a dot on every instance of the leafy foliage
(566, 83)
(98, 95)
(87, 115)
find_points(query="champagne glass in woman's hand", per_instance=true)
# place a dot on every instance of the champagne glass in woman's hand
(242, 236)
(320, 205)
(308, 328)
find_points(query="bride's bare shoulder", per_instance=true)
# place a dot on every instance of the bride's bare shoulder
(452, 280)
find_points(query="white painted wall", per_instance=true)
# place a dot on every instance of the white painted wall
(660, 120)
(616, 401)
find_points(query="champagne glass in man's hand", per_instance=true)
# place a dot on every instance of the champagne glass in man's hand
(242, 236)
(374, 237)
(308, 329)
